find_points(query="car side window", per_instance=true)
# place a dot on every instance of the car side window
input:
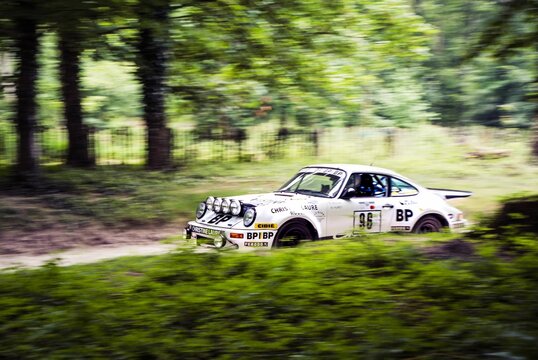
(367, 185)
(401, 188)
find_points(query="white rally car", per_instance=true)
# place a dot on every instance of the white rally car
(325, 202)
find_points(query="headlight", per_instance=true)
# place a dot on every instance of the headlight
(209, 202)
(200, 212)
(217, 205)
(219, 242)
(235, 207)
(225, 206)
(249, 217)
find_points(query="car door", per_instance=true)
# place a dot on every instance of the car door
(407, 209)
(364, 209)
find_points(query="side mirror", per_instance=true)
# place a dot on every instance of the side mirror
(349, 193)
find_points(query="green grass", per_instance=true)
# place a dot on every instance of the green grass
(432, 156)
(363, 298)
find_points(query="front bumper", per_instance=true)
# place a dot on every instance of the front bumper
(216, 237)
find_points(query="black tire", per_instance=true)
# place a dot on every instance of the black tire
(291, 234)
(428, 224)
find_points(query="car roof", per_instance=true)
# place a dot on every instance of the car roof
(352, 168)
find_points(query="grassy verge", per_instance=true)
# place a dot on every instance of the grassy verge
(128, 195)
(362, 298)
(433, 156)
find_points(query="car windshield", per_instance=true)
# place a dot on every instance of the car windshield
(323, 182)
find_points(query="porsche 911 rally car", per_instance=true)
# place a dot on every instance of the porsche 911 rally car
(325, 202)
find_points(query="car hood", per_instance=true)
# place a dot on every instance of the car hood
(270, 198)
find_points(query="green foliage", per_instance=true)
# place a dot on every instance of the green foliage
(354, 62)
(341, 299)
(312, 59)
(112, 95)
(490, 89)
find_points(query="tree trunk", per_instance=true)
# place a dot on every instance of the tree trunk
(152, 59)
(27, 166)
(78, 154)
(535, 135)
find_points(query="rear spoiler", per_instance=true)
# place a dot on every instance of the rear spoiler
(451, 194)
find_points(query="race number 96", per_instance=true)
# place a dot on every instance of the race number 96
(367, 220)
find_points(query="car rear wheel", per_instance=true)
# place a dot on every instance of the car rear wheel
(292, 234)
(428, 224)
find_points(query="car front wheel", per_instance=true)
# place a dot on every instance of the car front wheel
(428, 224)
(291, 234)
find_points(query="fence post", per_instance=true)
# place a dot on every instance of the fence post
(91, 144)
(315, 141)
(389, 140)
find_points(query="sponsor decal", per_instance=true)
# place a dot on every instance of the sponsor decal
(204, 231)
(366, 205)
(323, 171)
(256, 244)
(260, 235)
(279, 209)
(265, 226)
(309, 207)
(219, 218)
(294, 213)
(408, 202)
(403, 215)
(400, 228)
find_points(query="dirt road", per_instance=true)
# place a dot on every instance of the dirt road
(82, 244)
(84, 255)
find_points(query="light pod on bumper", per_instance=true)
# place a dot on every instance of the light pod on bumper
(235, 207)
(217, 205)
(225, 206)
(209, 202)
(249, 217)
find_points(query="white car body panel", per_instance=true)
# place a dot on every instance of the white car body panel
(330, 217)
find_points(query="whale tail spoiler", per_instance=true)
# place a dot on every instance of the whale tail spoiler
(451, 194)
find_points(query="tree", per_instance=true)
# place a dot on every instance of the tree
(78, 152)
(152, 57)
(75, 23)
(26, 48)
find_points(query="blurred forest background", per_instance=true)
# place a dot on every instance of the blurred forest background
(237, 95)
(127, 81)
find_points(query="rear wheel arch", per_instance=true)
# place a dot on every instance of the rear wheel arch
(442, 220)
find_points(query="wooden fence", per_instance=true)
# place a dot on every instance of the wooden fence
(126, 145)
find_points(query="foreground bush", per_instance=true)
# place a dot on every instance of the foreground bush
(345, 299)
(518, 214)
